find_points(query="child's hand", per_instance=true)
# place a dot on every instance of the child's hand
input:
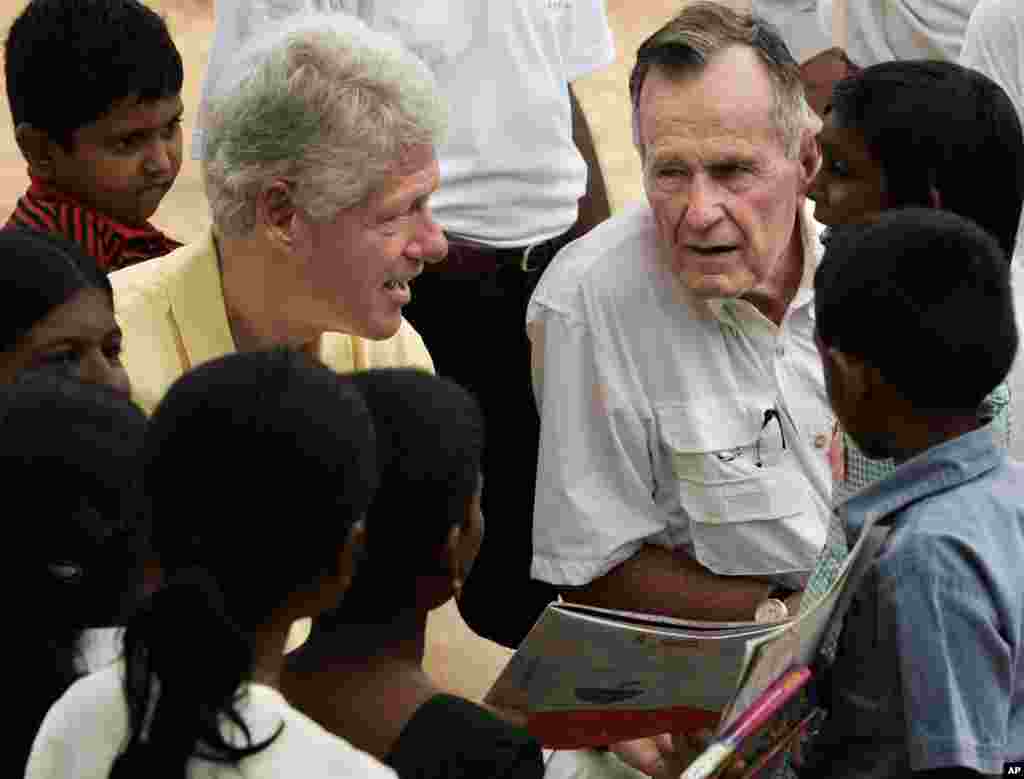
(667, 756)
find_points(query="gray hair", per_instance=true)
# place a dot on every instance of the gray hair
(687, 43)
(323, 103)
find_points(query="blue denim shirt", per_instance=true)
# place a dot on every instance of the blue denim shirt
(930, 668)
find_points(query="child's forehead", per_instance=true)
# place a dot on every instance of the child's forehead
(130, 114)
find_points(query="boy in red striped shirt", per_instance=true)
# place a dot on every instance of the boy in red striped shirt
(103, 153)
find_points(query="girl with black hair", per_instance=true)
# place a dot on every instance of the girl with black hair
(68, 449)
(56, 309)
(258, 468)
(361, 672)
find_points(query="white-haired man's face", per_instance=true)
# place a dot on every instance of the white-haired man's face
(723, 191)
(358, 266)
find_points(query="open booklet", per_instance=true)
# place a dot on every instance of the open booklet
(589, 677)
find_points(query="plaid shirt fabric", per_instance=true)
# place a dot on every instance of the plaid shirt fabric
(112, 244)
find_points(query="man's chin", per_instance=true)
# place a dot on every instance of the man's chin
(378, 330)
(716, 287)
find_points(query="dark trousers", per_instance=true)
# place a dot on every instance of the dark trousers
(474, 324)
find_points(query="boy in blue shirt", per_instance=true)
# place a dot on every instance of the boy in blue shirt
(928, 679)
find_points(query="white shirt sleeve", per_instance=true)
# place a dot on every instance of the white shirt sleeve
(594, 506)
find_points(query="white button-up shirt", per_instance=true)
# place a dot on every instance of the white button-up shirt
(672, 421)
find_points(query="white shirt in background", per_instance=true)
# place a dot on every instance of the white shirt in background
(88, 727)
(798, 22)
(883, 30)
(652, 408)
(511, 174)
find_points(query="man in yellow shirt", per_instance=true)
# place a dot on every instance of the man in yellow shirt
(320, 161)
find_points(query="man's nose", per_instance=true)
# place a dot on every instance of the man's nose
(432, 244)
(703, 206)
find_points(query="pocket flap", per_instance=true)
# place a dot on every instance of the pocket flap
(710, 425)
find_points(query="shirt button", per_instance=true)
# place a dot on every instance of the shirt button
(780, 351)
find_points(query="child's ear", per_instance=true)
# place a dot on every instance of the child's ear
(453, 559)
(853, 377)
(277, 215)
(35, 145)
(349, 557)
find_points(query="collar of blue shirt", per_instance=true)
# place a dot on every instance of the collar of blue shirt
(937, 469)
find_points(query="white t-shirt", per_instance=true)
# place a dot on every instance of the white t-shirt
(883, 30)
(653, 409)
(798, 22)
(511, 174)
(88, 727)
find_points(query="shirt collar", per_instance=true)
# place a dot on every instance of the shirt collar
(41, 190)
(935, 470)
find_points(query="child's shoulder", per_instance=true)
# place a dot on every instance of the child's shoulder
(972, 530)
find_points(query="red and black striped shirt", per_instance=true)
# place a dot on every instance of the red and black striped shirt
(112, 244)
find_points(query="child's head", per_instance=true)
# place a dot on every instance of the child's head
(424, 526)
(68, 452)
(56, 309)
(94, 88)
(258, 468)
(920, 133)
(914, 316)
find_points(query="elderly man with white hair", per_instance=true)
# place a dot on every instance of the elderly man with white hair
(685, 429)
(320, 165)
(319, 169)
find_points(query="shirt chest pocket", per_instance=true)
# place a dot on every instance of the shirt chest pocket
(750, 508)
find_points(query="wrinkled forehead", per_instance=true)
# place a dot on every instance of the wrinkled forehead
(732, 96)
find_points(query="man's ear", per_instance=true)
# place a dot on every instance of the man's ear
(809, 159)
(276, 214)
(36, 148)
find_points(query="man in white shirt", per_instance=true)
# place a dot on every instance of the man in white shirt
(685, 428)
(519, 179)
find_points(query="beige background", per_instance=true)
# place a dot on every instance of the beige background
(458, 659)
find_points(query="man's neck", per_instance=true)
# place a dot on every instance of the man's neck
(256, 316)
(772, 298)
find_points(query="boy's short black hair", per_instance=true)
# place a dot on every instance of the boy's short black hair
(938, 124)
(924, 296)
(68, 61)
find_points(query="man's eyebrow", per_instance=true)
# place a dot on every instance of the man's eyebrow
(661, 159)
